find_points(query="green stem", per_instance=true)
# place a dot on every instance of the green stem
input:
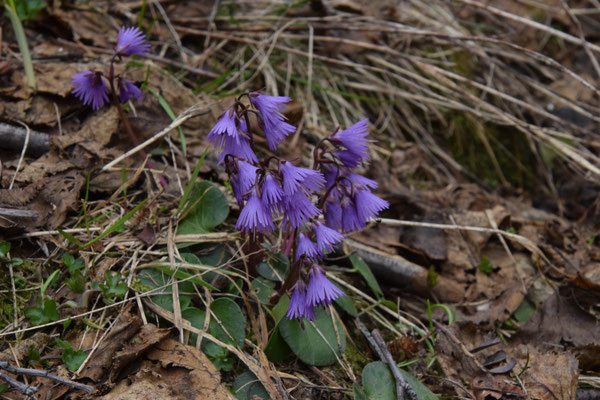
(22, 41)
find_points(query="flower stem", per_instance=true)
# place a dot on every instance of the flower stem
(134, 140)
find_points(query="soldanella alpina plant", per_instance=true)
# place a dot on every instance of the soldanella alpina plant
(280, 199)
(96, 88)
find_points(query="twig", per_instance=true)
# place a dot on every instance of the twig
(16, 213)
(23, 388)
(44, 374)
(187, 114)
(380, 348)
(22, 156)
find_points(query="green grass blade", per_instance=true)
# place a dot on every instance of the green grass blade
(72, 239)
(190, 185)
(170, 113)
(22, 41)
(117, 224)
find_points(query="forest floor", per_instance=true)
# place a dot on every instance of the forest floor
(119, 280)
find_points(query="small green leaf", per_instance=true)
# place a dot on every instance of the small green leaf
(73, 359)
(525, 311)
(485, 266)
(307, 342)
(207, 208)
(367, 275)
(44, 312)
(113, 288)
(4, 249)
(47, 282)
(68, 259)
(378, 382)
(76, 282)
(28, 9)
(247, 386)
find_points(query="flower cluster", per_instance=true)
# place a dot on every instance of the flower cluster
(93, 87)
(275, 194)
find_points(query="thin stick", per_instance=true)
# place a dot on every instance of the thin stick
(187, 114)
(23, 388)
(44, 374)
(25, 144)
(378, 345)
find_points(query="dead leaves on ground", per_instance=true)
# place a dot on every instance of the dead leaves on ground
(130, 361)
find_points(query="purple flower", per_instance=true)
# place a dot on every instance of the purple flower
(298, 308)
(244, 179)
(272, 193)
(333, 214)
(320, 290)
(353, 139)
(299, 209)
(128, 90)
(326, 237)
(238, 147)
(255, 216)
(131, 41)
(90, 88)
(350, 220)
(294, 177)
(226, 125)
(274, 124)
(367, 204)
(306, 247)
(358, 179)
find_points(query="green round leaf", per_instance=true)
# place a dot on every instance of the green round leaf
(379, 382)
(263, 288)
(154, 278)
(277, 349)
(208, 208)
(247, 386)
(276, 268)
(231, 324)
(307, 342)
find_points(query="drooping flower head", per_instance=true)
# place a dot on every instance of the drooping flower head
(90, 88)
(326, 237)
(320, 290)
(298, 307)
(226, 125)
(306, 247)
(272, 193)
(131, 41)
(255, 217)
(298, 209)
(295, 177)
(128, 90)
(243, 179)
(274, 125)
(368, 205)
(353, 139)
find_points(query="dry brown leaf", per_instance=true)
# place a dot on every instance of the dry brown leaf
(102, 360)
(552, 373)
